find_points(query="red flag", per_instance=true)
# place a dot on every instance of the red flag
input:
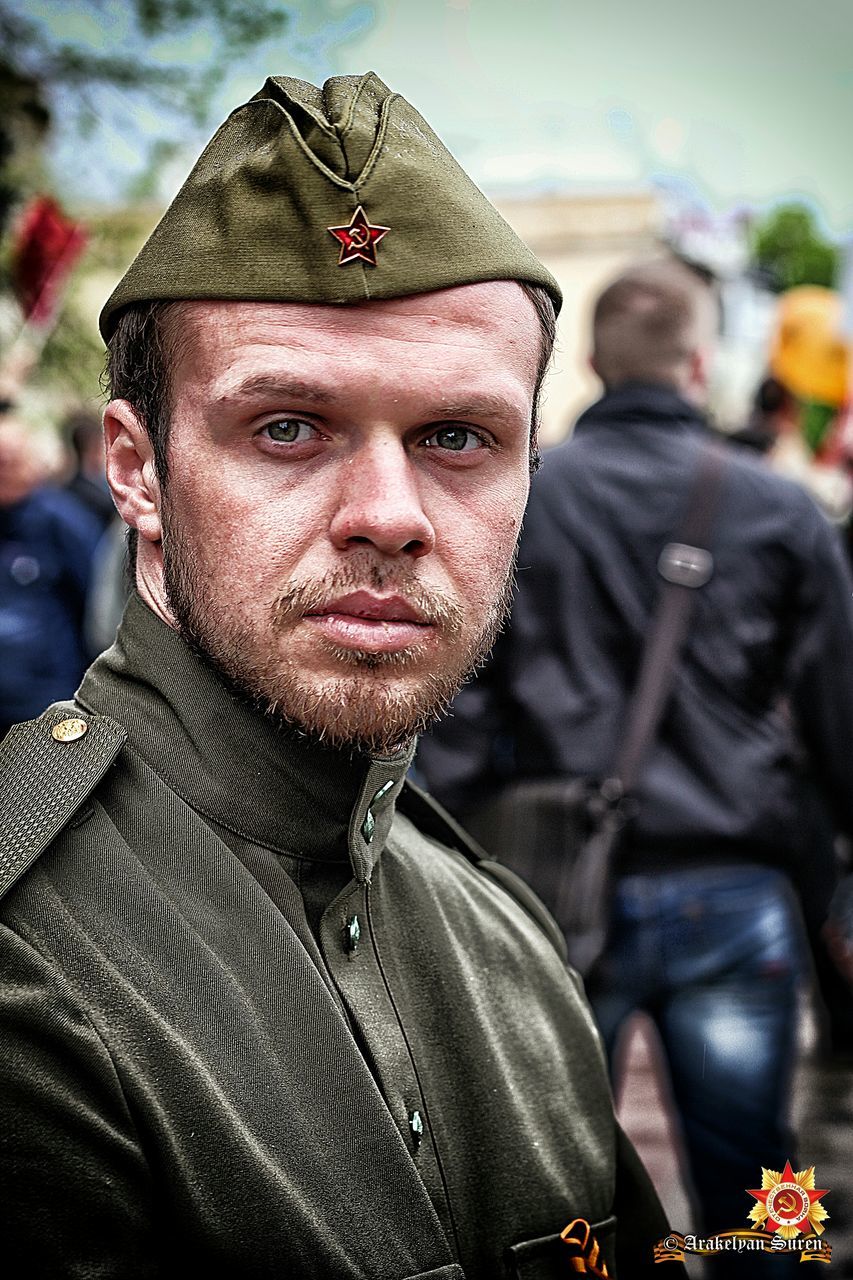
(46, 247)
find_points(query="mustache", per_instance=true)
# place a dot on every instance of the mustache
(365, 574)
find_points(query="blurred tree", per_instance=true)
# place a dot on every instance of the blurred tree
(35, 50)
(54, 59)
(788, 249)
(24, 120)
(120, 46)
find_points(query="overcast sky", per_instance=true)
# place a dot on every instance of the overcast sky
(740, 101)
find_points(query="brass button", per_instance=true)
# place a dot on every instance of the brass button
(68, 730)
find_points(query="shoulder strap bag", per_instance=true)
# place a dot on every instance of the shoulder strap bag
(561, 834)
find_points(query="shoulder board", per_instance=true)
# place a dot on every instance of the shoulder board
(428, 815)
(48, 768)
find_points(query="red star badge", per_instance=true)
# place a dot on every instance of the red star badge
(358, 239)
(787, 1199)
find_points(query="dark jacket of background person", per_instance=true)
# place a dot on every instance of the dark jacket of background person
(47, 541)
(766, 679)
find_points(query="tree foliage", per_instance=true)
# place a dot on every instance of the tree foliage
(40, 66)
(54, 63)
(788, 249)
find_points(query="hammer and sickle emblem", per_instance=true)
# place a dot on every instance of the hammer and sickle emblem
(359, 237)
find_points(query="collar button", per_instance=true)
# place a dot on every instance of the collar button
(352, 934)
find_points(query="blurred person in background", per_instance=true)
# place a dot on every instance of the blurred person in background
(84, 433)
(47, 541)
(706, 933)
(109, 583)
(772, 408)
(775, 430)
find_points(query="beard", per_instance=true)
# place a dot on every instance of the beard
(367, 701)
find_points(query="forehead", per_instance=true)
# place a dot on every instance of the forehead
(492, 324)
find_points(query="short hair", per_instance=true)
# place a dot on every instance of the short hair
(140, 361)
(146, 346)
(648, 323)
(772, 396)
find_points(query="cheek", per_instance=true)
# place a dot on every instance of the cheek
(502, 515)
(479, 551)
(249, 531)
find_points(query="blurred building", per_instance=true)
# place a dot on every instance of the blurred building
(585, 240)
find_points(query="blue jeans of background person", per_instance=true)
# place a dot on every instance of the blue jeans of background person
(714, 955)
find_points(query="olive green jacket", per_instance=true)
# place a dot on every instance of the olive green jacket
(197, 1081)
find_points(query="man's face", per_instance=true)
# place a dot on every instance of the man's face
(346, 486)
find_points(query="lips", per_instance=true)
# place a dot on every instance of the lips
(362, 620)
(366, 605)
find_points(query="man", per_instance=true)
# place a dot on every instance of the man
(268, 1014)
(47, 546)
(705, 937)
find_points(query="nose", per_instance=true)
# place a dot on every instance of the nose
(381, 504)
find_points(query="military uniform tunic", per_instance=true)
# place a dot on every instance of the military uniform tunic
(259, 1022)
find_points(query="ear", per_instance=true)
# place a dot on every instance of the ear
(131, 473)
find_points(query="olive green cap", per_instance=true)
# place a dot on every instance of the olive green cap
(303, 189)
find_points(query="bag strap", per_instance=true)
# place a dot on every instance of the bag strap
(684, 566)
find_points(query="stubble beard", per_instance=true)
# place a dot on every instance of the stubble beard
(376, 702)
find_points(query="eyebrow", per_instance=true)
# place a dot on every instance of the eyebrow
(283, 389)
(488, 404)
(264, 384)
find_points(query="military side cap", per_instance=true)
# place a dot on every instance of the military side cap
(334, 195)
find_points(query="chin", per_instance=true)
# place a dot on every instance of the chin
(367, 712)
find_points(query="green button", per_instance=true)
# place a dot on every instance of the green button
(352, 933)
(416, 1125)
(369, 825)
(383, 791)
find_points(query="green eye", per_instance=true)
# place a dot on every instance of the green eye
(289, 430)
(456, 439)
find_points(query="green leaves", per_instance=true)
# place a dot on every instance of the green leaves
(789, 249)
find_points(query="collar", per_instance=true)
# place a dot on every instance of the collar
(643, 403)
(230, 763)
